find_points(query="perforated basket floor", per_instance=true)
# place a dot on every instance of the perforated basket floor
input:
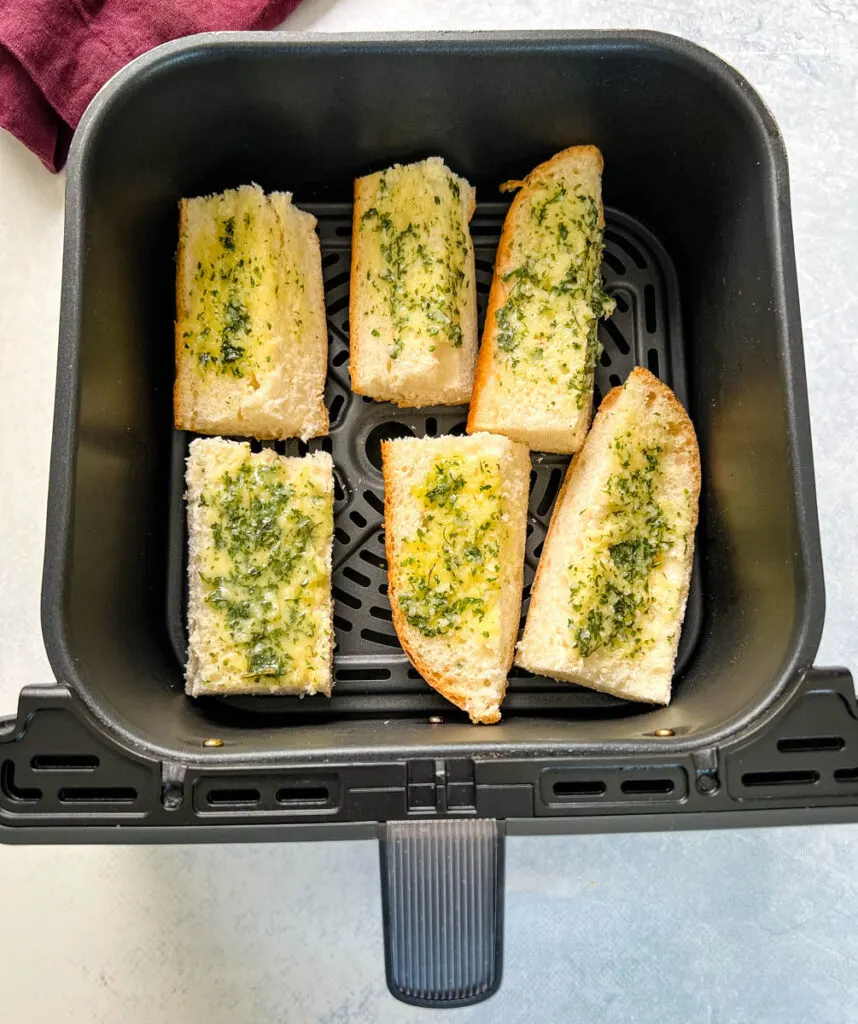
(373, 676)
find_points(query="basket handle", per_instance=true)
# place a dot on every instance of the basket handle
(442, 888)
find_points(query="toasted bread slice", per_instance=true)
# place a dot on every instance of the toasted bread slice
(610, 592)
(260, 617)
(534, 378)
(455, 512)
(251, 335)
(413, 300)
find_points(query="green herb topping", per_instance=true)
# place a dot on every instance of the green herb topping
(610, 591)
(451, 565)
(267, 565)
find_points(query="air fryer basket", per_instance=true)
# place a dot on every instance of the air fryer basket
(699, 256)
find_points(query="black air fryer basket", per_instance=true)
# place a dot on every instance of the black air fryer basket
(699, 256)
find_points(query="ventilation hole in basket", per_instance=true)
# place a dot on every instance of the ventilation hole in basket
(362, 674)
(233, 797)
(12, 791)
(614, 262)
(325, 444)
(580, 787)
(597, 394)
(431, 426)
(485, 265)
(533, 478)
(379, 539)
(529, 529)
(628, 247)
(371, 558)
(357, 518)
(385, 639)
(342, 624)
(345, 324)
(338, 305)
(520, 673)
(525, 591)
(649, 309)
(384, 432)
(383, 589)
(785, 778)
(64, 762)
(336, 280)
(374, 502)
(344, 597)
(615, 380)
(256, 446)
(616, 336)
(846, 775)
(329, 259)
(807, 744)
(652, 361)
(339, 489)
(336, 407)
(97, 794)
(381, 613)
(341, 535)
(622, 303)
(303, 448)
(343, 230)
(340, 357)
(605, 357)
(537, 551)
(303, 795)
(459, 429)
(414, 674)
(640, 787)
(356, 577)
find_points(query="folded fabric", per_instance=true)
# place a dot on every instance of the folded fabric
(56, 54)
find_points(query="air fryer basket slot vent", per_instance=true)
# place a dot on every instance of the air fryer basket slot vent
(794, 777)
(583, 787)
(233, 797)
(64, 762)
(13, 791)
(810, 744)
(646, 787)
(303, 795)
(563, 788)
(97, 794)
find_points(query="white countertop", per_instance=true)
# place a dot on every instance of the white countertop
(753, 926)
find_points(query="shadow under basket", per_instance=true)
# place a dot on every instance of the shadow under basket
(699, 256)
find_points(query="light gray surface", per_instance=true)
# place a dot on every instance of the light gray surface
(754, 926)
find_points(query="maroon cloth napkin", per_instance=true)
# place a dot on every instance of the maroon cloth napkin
(56, 54)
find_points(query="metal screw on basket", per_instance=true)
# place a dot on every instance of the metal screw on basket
(172, 797)
(707, 783)
(436, 720)
(664, 732)
(212, 741)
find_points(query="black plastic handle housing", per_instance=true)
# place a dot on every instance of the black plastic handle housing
(442, 888)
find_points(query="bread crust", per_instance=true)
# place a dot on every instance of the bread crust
(499, 293)
(182, 414)
(684, 432)
(355, 343)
